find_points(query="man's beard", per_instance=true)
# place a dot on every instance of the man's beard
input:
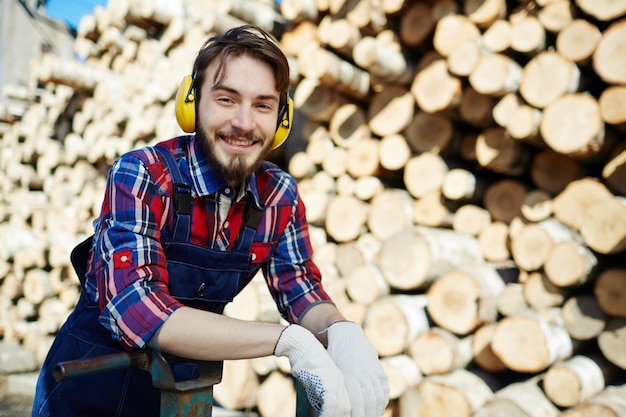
(236, 170)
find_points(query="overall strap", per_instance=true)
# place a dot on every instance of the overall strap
(182, 198)
(251, 218)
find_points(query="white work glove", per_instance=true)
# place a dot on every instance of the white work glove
(312, 366)
(363, 372)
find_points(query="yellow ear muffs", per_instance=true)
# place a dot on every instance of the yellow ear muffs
(285, 116)
(186, 112)
(185, 105)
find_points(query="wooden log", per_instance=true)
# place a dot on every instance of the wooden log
(504, 198)
(446, 96)
(577, 379)
(471, 219)
(482, 352)
(561, 124)
(504, 107)
(570, 263)
(520, 399)
(496, 74)
(611, 342)
(603, 226)
(384, 61)
(612, 103)
(362, 159)
(498, 152)
(528, 36)
(460, 394)
(475, 108)
(541, 293)
(603, 9)
(316, 100)
(335, 163)
(270, 404)
(493, 241)
(462, 185)
(582, 317)
(414, 257)
(497, 37)
(417, 24)
(431, 210)
(541, 88)
(394, 152)
(390, 111)
(348, 125)
(607, 62)
(484, 13)
(578, 40)
(239, 385)
(402, 373)
(570, 205)
(438, 351)
(365, 284)
(610, 293)
(451, 30)
(556, 15)
(392, 322)
(531, 247)
(537, 206)
(316, 62)
(465, 298)
(298, 10)
(530, 342)
(390, 212)
(424, 173)
(609, 402)
(524, 125)
(430, 132)
(462, 60)
(345, 218)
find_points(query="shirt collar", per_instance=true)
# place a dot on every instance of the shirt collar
(206, 181)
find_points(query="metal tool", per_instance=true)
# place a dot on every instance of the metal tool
(191, 398)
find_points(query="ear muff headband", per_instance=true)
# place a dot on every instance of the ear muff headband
(186, 112)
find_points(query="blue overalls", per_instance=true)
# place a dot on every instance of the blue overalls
(201, 278)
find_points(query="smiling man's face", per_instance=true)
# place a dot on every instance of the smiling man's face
(237, 116)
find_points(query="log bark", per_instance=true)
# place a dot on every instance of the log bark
(575, 380)
(530, 343)
(413, 258)
(459, 393)
(608, 403)
(582, 317)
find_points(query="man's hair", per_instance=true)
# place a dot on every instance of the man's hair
(245, 40)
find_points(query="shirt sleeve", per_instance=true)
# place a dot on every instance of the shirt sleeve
(293, 278)
(130, 270)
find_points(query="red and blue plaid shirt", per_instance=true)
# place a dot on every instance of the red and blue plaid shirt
(127, 271)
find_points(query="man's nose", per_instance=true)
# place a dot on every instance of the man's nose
(243, 119)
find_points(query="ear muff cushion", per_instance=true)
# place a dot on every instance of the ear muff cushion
(284, 124)
(186, 106)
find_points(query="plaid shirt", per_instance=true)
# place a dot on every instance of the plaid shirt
(127, 272)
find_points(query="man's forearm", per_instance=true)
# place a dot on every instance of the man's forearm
(196, 334)
(319, 317)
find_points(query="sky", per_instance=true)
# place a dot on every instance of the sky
(70, 11)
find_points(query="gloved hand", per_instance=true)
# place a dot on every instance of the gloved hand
(312, 366)
(365, 378)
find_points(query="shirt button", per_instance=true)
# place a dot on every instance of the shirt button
(123, 258)
(227, 191)
(226, 224)
(253, 256)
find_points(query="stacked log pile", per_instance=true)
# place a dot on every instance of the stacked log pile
(463, 164)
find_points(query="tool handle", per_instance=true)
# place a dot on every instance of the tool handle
(84, 367)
